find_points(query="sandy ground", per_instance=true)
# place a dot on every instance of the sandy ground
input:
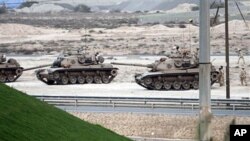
(122, 41)
(159, 126)
(119, 41)
(123, 84)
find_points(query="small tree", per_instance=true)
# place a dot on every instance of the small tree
(82, 8)
(3, 8)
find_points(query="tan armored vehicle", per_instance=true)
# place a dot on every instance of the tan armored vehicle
(176, 73)
(74, 67)
(11, 70)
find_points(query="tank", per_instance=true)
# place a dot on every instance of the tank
(10, 70)
(178, 72)
(74, 67)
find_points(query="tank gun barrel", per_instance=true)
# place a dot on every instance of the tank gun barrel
(37, 67)
(130, 64)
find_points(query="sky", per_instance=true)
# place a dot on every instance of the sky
(11, 3)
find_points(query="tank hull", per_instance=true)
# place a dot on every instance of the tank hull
(64, 76)
(172, 80)
(9, 73)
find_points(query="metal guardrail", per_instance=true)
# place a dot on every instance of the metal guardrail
(158, 139)
(140, 102)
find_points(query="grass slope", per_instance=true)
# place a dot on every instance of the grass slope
(24, 118)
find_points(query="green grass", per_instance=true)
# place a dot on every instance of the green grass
(24, 118)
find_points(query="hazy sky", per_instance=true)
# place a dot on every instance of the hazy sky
(91, 2)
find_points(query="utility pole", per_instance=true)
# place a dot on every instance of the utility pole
(204, 72)
(227, 51)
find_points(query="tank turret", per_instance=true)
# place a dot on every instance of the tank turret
(181, 73)
(78, 68)
(11, 70)
(165, 64)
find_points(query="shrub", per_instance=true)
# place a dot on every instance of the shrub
(82, 8)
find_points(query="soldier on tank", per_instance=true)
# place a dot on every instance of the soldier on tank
(196, 56)
(176, 50)
(221, 76)
(95, 57)
(241, 56)
(2, 58)
(243, 76)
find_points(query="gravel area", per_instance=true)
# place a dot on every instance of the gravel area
(159, 126)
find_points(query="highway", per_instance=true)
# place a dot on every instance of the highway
(176, 106)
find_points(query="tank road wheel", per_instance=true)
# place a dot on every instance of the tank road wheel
(177, 85)
(214, 77)
(98, 79)
(89, 79)
(178, 63)
(72, 79)
(56, 75)
(147, 81)
(81, 79)
(167, 85)
(186, 85)
(105, 79)
(64, 80)
(2, 78)
(19, 72)
(158, 85)
(114, 72)
(11, 77)
(196, 85)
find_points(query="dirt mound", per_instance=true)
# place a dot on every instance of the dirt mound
(20, 29)
(42, 8)
(234, 25)
(181, 8)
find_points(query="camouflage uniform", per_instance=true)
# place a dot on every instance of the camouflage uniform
(241, 56)
(221, 76)
(243, 77)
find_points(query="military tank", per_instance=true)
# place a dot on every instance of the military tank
(76, 67)
(10, 70)
(179, 72)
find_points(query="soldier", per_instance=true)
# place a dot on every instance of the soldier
(221, 76)
(177, 51)
(2, 58)
(241, 56)
(243, 77)
(195, 56)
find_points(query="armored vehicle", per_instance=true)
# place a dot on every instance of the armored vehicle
(75, 67)
(10, 70)
(174, 73)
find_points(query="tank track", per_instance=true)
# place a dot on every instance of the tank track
(167, 82)
(77, 76)
(10, 74)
